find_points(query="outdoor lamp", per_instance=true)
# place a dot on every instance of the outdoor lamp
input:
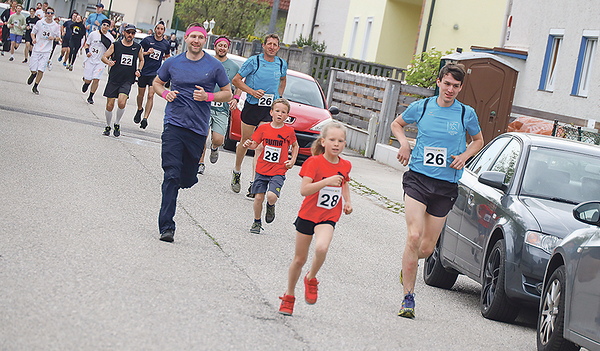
(205, 24)
(212, 25)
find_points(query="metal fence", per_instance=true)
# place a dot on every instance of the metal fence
(575, 133)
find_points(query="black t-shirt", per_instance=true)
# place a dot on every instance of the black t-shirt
(173, 44)
(77, 31)
(126, 62)
(31, 21)
(114, 32)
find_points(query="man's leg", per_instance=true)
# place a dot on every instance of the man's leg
(423, 233)
(149, 104)
(172, 162)
(240, 151)
(140, 102)
(26, 53)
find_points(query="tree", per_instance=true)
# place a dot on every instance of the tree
(424, 68)
(234, 18)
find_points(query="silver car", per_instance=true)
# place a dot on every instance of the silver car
(570, 306)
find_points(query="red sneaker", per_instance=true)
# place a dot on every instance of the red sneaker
(310, 290)
(287, 304)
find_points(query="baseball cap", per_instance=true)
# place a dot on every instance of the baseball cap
(128, 27)
(106, 20)
(100, 5)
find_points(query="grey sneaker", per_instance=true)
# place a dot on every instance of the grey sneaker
(256, 228)
(270, 214)
(235, 182)
(214, 155)
(201, 168)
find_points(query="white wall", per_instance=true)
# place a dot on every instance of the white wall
(329, 25)
(531, 24)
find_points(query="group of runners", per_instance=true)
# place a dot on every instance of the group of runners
(203, 91)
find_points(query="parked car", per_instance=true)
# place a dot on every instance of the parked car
(308, 112)
(139, 36)
(513, 208)
(569, 315)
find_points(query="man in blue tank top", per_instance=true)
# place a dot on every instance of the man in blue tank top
(193, 76)
(436, 164)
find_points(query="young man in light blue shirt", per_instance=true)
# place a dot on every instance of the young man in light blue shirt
(94, 21)
(436, 164)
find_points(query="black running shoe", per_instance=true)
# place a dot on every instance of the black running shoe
(117, 130)
(84, 88)
(167, 235)
(35, 90)
(31, 78)
(106, 131)
(90, 101)
(144, 123)
(270, 215)
(138, 116)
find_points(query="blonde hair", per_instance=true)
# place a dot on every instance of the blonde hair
(317, 148)
(282, 101)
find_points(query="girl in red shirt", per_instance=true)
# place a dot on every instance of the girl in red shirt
(325, 178)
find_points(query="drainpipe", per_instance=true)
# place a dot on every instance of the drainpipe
(312, 28)
(506, 16)
(428, 27)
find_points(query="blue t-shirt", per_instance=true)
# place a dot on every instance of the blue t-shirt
(153, 61)
(185, 74)
(92, 21)
(266, 77)
(441, 134)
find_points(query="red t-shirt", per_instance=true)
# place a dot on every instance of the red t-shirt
(276, 142)
(326, 204)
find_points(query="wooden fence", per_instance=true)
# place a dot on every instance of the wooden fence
(370, 104)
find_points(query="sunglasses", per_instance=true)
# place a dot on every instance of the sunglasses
(49, 13)
(105, 24)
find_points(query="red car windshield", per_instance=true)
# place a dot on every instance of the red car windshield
(303, 91)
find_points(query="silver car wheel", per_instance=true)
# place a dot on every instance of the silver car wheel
(550, 310)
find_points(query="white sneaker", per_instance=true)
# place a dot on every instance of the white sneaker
(50, 65)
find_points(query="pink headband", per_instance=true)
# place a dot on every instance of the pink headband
(196, 29)
(222, 39)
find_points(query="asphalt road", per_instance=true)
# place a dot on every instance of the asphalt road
(81, 266)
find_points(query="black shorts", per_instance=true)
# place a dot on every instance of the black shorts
(254, 114)
(66, 42)
(438, 195)
(308, 227)
(144, 81)
(113, 90)
(27, 36)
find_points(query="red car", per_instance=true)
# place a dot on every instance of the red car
(308, 113)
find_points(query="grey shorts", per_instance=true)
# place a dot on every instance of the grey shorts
(219, 120)
(262, 183)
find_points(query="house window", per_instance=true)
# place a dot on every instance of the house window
(587, 51)
(549, 69)
(353, 36)
(365, 46)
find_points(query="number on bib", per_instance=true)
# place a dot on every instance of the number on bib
(126, 60)
(155, 55)
(95, 51)
(266, 100)
(272, 154)
(434, 156)
(216, 104)
(329, 197)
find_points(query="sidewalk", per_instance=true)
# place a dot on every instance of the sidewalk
(377, 181)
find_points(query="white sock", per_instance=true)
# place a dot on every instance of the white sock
(108, 115)
(120, 113)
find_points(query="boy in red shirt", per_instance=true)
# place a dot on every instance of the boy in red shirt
(273, 162)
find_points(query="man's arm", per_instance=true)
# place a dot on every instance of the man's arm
(106, 57)
(159, 89)
(140, 63)
(398, 131)
(458, 162)
(240, 84)
(282, 82)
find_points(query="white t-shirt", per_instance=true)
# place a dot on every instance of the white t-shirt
(43, 30)
(97, 49)
(40, 13)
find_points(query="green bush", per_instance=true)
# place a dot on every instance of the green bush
(316, 46)
(424, 68)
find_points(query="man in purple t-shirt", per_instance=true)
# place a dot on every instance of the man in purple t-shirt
(193, 76)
